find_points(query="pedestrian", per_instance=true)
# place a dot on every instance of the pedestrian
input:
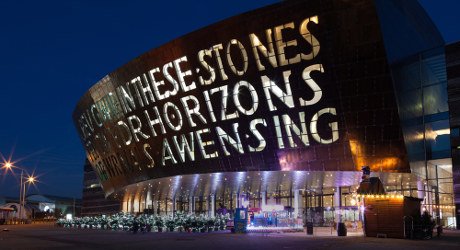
(439, 231)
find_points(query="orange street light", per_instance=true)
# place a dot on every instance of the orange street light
(7, 165)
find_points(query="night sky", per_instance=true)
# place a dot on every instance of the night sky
(52, 52)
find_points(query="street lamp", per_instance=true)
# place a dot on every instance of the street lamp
(30, 179)
(8, 165)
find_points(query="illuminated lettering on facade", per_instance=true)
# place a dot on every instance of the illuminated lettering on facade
(203, 107)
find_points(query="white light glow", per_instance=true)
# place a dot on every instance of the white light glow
(245, 203)
(445, 131)
(276, 207)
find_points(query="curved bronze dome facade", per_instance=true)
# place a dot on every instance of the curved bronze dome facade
(296, 86)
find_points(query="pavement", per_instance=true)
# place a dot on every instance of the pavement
(40, 236)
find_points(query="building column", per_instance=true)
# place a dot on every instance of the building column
(231, 203)
(338, 203)
(296, 204)
(200, 204)
(174, 205)
(420, 190)
(191, 205)
(248, 197)
(436, 197)
(264, 200)
(139, 199)
(259, 200)
(181, 204)
(429, 198)
(159, 206)
(131, 205)
(146, 201)
(238, 202)
(208, 205)
(213, 205)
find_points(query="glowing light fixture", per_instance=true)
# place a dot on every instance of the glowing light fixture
(8, 166)
(445, 131)
(275, 207)
(31, 179)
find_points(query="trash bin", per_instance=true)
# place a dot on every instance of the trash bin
(309, 228)
(341, 229)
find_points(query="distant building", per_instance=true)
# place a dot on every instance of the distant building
(94, 201)
(46, 205)
(9, 209)
(54, 204)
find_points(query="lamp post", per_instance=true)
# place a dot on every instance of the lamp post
(30, 180)
(8, 166)
(20, 194)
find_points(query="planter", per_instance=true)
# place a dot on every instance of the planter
(309, 228)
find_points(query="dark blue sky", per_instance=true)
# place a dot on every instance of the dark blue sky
(51, 52)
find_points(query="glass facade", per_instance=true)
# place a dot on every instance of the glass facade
(93, 200)
(453, 69)
(418, 68)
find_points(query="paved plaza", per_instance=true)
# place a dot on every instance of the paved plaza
(50, 237)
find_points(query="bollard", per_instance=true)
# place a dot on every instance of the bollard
(309, 227)
(341, 229)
